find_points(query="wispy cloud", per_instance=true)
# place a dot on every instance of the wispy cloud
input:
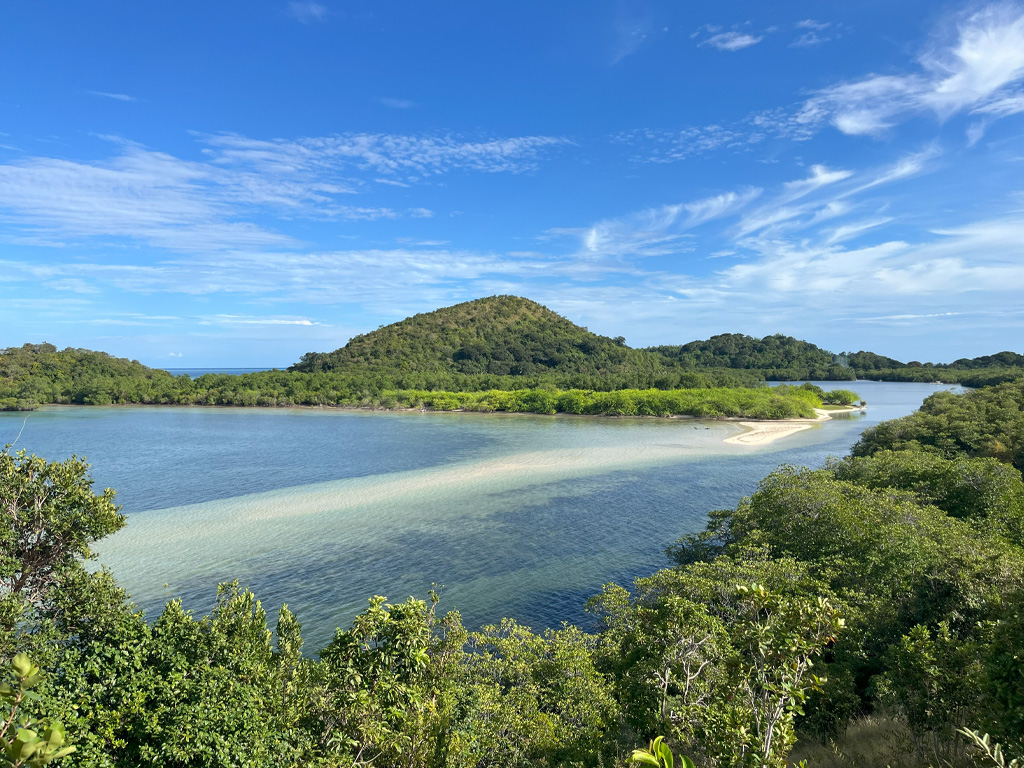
(728, 40)
(890, 319)
(733, 41)
(396, 103)
(655, 231)
(781, 209)
(327, 277)
(632, 28)
(307, 12)
(251, 320)
(973, 69)
(831, 257)
(114, 96)
(223, 203)
(974, 65)
(673, 146)
(383, 153)
(813, 33)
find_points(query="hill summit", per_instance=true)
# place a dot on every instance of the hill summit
(498, 335)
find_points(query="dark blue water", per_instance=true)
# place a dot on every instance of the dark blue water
(524, 516)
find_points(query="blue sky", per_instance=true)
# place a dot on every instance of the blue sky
(222, 184)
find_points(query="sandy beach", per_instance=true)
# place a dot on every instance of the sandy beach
(764, 432)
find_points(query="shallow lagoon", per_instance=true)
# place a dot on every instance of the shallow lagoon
(516, 515)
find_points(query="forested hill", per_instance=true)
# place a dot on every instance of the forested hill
(499, 335)
(39, 373)
(501, 343)
(508, 335)
(735, 350)
(512, 336)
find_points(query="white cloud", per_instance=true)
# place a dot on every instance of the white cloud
(143, 195)
(779, 208)
(970, 72)
(396, 103)
(731, 40)
(889, 319)
(1011, 104)
(382, 153)
(816, 33)
(632, 28)
(855, 229)
(307, 12)
(673, 146)
(655, 231)
(329, 277)
(250, 320)
(188, 206)
(820, 177)
(114, 96)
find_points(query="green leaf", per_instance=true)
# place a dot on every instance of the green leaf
(644, 757)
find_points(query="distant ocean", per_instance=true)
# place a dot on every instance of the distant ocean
(197, 372)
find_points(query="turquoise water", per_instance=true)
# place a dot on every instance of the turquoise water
(522, 516)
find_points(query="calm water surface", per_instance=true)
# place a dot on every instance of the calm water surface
(522, 516)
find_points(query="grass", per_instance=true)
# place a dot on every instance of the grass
(877, 741)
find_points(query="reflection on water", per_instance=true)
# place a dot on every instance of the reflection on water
(518, 515)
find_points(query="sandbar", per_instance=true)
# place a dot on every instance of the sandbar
(764, 432)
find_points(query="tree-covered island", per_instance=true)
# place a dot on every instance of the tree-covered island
(497, 354)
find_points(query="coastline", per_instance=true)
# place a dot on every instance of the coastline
(757, 432)
(765, 432)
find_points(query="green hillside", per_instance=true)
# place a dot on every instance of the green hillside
(500, 343)
(38, 373)
(499, 335)
(771, 354)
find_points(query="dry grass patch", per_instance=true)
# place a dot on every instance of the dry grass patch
(877, 742)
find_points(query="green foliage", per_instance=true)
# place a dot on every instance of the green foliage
(891, 579)
(659, 755)
(1003, 674)
(777, 357)
(500, 335)
(497, 343)
(36, 374)
(983, 489)
(994, 752)
(24, 740)
(983, 371)
(840, 397)
(49, 517)
(931, 680)
(778, 638)
(764, 403)
(376, 681)
(984, 422)
(728, 688)
(535, 699)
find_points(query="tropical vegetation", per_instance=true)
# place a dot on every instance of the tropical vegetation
(501, 343)
(886, 587)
